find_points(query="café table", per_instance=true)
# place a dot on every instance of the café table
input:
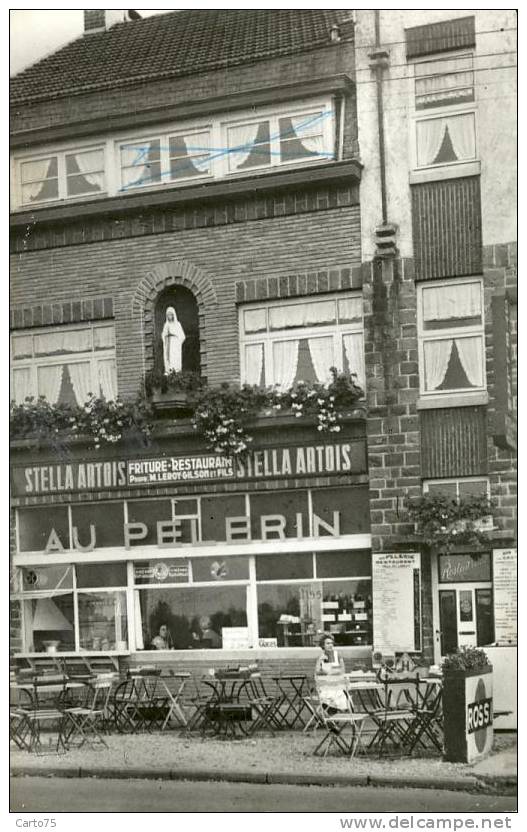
(45, 703)
(293, 690)
(228, 712)
(147, 702)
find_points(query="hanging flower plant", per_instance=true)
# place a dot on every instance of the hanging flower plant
(443, 523)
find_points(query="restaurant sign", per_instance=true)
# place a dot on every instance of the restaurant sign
(267, 463)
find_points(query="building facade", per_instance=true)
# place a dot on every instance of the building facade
(255, 171)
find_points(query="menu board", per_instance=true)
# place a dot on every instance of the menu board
(396, 602)
(505, 563)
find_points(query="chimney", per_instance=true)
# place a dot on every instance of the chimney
(98, 20)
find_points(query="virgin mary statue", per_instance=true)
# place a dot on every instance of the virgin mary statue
(172, 337)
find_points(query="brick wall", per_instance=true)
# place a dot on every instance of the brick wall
(281, 246)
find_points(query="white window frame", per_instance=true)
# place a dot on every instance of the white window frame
(35, 362)
(269, 337)
(217, 128)
(443, 111)
(60, 154)
(443, 334)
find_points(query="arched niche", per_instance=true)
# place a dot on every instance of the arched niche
(186, 308)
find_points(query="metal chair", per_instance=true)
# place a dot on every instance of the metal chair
(264, 706)
(86, 722)
(343, 728)
(313, 705)
(39, 715)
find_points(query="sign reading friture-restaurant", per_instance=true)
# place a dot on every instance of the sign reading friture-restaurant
(268, 463)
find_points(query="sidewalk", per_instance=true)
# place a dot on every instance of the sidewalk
(284, 758)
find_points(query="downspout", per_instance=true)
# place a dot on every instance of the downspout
(380, 61)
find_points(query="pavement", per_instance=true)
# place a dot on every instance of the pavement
(287, 758)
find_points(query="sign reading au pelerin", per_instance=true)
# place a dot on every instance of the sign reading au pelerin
(267, 463)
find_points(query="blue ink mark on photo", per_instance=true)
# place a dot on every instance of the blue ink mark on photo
(263, 148)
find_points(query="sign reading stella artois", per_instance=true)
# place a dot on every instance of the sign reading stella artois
(287, 461)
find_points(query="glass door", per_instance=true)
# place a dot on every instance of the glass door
(466, 616)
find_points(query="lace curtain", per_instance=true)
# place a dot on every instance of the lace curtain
(461, 129)
(429, 138)
(303, 124)
(353, 350)
(80, 376)
(321, 350)
(469, 351)
(39, 171)
(86, 162)
(140, 163)
(107, 380)
(53, 343)
(253, 363)
(285, 360)
(302, 314)
(241, 143)
(22, 384)
(50, 381)
(430, 135)
(462, 300)
(437, 357)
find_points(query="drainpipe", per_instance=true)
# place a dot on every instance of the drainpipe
(385, 233)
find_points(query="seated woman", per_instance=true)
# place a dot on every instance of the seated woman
(163, 639)
(329, 677)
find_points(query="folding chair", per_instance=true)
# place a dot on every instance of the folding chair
(264, 707)
(86, 722)
(336, 725)
(39, 714)
(394, 725)
(19, 728)
(313, 705)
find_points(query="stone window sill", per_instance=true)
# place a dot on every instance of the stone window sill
(453, 400)
(446, 172)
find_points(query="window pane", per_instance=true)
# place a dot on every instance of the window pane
(194, 616)
(473, 488)
(170, 571)
(287, 504)
(255, 320)
(349, 309)
(443, 82)
(254, 366)
(141, 163)
(101, 574)
(302, 314)
(284, 567)
(347, 611)
(107, 379)
(22, 386)
(458, 568)
(61, 341)
(107, 518)
(189, 155)
(37, 171)
(453, 364)
(85, 183)
(49, 381)
(102, 621)
(47, 578)
(484, 617)
(49, 624)
(36, 524)
(185, 506)
(22, 346)
(301, 137)
(214, 510)
(446, 140)
(344, 564)
(148, 512)
(103, 337)
(458, 301)
(220, 569)
(249, 146)
(448, 489)
(352, 505)
(290, 613)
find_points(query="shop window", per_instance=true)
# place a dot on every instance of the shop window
(195, 616)
(170, 571)
(351, 504)
(284, 567)
(218, 569)
(34, 527)
(149, 512)
(214, 510)
(102, 621)
(49, 623)
(92, 575)
(287, 341)
(451, 337)
(290, 505)
(65, 364)
(61, 176)
(177, 344)
(107, 520)
(355, 563)
(295, 614)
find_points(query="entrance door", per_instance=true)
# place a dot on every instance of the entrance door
(465, 616)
